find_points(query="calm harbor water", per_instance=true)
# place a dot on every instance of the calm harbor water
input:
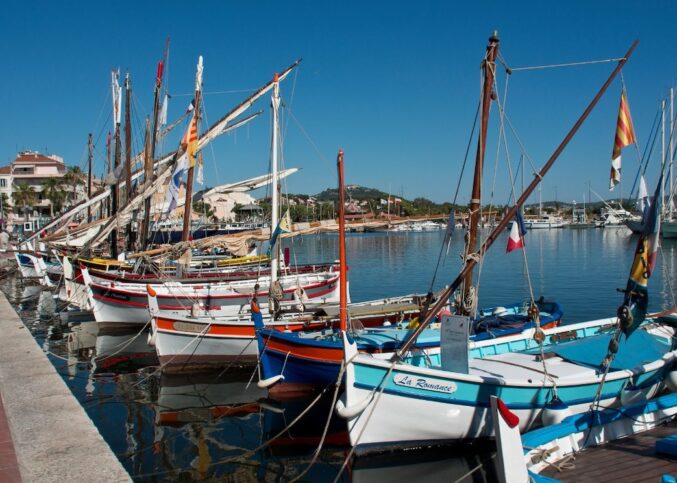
(216, 426)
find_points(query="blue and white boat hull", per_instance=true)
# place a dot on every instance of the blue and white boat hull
(395, 404)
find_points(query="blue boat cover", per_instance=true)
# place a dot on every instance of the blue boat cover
(390, 339)
(641, 348)
(667, 445)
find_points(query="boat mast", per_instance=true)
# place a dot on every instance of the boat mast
(672, 120)
(663, 149)
(128, 140)
(128, 158)
(470, 263)
(489, 66)
(107, 171)
(585, 215)
(275, 201)
(116, 186)
(187, 206)
(150, 151)
(90, 155)
(343, 287)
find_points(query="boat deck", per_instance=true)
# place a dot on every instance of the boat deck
(630, 459)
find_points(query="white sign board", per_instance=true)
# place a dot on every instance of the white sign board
(454, 343)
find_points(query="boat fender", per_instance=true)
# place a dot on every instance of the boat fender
(196, 310)
(554, 412)
(265, 383)
(631, 395)
(352, 411)
(671, 381)
(151, 338)
(500, 311)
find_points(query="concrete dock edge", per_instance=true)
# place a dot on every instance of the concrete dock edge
(54, 438)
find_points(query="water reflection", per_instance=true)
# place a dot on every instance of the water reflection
(220, 426)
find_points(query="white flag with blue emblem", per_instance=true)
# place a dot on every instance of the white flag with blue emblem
(172, 196)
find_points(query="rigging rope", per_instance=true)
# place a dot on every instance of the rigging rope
(554, 66)
(453, 203)
(532, 311)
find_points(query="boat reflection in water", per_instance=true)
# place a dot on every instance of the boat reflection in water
(293, 449)
(208, 425)
(110, 347)
(430, 465)
(206, 397)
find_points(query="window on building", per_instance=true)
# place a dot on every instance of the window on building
(3, 183)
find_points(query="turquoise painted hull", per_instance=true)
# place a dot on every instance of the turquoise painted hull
(401, 405)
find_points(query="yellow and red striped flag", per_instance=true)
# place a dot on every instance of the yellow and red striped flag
(625, 135)
(190, 141)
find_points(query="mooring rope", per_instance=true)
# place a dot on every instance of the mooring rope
(326, 425)
(380, 388)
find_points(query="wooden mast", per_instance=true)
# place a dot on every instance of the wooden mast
(128, 140)
(108, 167)
(275, 195)
(90, 155)
(489, 66)
(115, 191)
(129, 242)
(343, 287)
(502, 225)
(187, 205)
(150, 151)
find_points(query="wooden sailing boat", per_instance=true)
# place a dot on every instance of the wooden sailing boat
(392, 402)
(127, 302)
(297, 362)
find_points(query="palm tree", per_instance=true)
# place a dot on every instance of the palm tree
(5, 207)
(52, 189)
(72, 178)
(24, 195)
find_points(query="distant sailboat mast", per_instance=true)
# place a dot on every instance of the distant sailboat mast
(672, 149)
(663, 148)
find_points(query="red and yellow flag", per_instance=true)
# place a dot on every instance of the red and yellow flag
(189, 141)
(625, 135)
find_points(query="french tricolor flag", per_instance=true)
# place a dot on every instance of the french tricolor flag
(517, 232)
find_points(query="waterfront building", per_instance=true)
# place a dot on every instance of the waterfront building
(34, 168)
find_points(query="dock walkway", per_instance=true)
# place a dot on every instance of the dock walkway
(45, 434)
(632, 459)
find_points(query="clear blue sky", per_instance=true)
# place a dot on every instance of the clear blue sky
(394, 83)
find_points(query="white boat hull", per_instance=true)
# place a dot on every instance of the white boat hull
(397, 404)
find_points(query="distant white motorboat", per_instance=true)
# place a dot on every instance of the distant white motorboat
(544, 221)
(615, 217)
